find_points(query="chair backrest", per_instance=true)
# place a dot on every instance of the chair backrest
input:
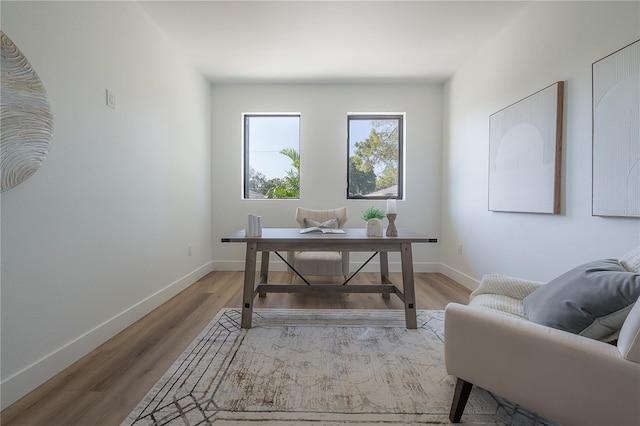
(322, 215)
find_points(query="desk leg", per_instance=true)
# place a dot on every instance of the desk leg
(249, 280)
(264, 272)
(384, 272)
(408, 288)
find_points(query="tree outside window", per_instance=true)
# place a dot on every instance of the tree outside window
(375, 144)
(271, 156)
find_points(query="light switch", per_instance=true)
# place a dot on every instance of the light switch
(111, 99)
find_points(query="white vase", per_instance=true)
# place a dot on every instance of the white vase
(374, 228)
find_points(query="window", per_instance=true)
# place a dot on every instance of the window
(375, 144)
(271, 156)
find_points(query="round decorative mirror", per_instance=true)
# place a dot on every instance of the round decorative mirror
(26, 121)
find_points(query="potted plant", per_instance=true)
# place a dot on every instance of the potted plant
(373, 217)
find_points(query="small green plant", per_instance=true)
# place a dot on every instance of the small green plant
(373, 213)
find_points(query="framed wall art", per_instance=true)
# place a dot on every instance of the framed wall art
(616, 133)
(525, 153)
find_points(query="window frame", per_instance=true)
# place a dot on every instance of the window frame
(246, 166)
(400, 117)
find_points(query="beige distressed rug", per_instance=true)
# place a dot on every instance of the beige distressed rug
(320, 367)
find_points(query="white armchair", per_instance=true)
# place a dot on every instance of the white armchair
(320, 263)
(568, 378)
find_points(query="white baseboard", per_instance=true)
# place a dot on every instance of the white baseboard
(464, 279)
(373, 266)
(24, 381)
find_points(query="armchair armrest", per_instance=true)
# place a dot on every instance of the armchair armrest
(568, 378)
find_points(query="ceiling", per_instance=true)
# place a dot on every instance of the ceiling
(330, 41)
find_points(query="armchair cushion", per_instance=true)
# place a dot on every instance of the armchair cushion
(591, 300)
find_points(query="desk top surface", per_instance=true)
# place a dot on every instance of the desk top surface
(351, 235)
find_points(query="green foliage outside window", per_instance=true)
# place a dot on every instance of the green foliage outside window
(375, 144)
(271, 158)
(289, 186)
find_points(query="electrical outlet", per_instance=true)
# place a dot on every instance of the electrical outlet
(189, 250)
(111, 99)
(459, 248)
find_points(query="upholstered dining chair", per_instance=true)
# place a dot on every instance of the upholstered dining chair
(320, 263)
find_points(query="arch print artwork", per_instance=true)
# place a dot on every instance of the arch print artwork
(616, 133)
(525, 153)
(26, 121)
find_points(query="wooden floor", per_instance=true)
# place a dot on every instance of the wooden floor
(103, 387)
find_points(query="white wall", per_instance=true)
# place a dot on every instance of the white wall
(323, 158)
(99, 235)
(549, 41)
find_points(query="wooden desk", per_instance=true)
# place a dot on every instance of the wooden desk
(290, 239)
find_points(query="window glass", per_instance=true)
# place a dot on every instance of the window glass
(271, 156)
(375, 144)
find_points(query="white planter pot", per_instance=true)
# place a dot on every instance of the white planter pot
(374, 228)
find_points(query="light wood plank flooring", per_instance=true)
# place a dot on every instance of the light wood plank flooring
(104, 386)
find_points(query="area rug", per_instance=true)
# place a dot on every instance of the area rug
(320, 367)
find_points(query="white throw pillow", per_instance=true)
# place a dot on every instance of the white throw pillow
(631, 261)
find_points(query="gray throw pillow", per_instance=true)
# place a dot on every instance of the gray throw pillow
(331, 223)
(592, 300)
